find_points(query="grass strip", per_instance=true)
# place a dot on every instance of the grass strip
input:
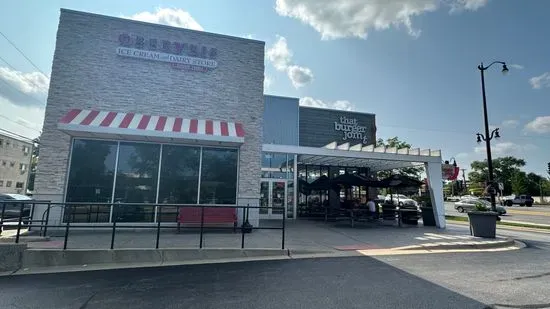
(533, 226)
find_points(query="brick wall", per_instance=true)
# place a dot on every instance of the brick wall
(88, 74)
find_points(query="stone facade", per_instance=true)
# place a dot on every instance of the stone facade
(88, 74)
(15, 160)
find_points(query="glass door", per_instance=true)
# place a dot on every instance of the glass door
(273, 197)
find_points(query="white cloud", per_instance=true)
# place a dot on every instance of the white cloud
(168, 16)
(267, 82)
(279, 54)
(23, 88)
(461, 155)
(539, 125)
(300, 76)
(281, 58)
(339, 104)
(511, 123)
(506, 148)
(516, 66)
(541, 81)
(355, 18)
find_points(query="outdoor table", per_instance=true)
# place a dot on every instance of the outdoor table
(400, 213)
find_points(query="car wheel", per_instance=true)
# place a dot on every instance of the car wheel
(528, 204)
(400, 204)
(521, 205)
(460, 209)
(509, 203)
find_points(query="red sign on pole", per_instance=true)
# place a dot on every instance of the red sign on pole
(449, 171)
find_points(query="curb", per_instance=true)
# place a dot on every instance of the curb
(36, 261)
(472, 244)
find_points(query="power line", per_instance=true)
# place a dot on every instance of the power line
(8, 119)
(23, 54)
(25, 139)
(13, 68)
(18, 90)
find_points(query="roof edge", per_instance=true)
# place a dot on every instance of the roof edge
(64, 10)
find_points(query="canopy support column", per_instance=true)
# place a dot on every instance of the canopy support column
(435, 181)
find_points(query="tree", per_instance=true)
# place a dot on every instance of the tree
(534, 184)
(34, 163)
(413, 172)
(519, 183)
(503, 168)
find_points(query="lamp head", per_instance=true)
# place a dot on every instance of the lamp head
(497, 135)
(504, 68)
(478, 138)
(454, 162)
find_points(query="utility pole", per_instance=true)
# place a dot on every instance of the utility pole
(541, 193)
(464, 180)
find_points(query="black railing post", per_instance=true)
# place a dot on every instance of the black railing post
(19, 222)
(202, 226)
(67, 228)
(48, 219)
(114, 226)
(2, 218)
(159, 213)
(242, 228)
(31, 218)
(284, 227)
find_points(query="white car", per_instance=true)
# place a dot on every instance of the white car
(400, 199)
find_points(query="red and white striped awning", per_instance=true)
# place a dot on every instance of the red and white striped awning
(78, 122)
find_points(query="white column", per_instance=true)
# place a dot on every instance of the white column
(435, 181)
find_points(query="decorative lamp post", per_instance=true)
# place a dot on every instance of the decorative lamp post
(488, 136)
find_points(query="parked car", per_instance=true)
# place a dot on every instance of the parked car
(521, 200)
(400, 200)
(466, 205)
(10, 205)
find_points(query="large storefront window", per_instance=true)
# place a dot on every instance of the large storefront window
(135, 174)
(219, 176)
(179, 175)
(136, 181)
(179, 179)
(91, 178)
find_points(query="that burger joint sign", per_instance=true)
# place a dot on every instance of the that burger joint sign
(351, 129)
(180, 55)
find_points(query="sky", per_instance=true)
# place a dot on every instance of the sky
(413, 63)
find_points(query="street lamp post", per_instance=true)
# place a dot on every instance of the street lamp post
(489, 135)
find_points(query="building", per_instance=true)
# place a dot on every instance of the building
(15, 160)
(143, 113)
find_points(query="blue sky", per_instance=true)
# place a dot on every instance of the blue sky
(411, 62)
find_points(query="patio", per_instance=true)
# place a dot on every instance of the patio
(299, 235)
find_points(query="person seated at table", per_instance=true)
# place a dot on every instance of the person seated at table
(373, 212)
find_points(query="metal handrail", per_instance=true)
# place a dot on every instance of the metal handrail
(44, 223)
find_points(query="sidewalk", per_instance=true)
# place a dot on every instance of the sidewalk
(299, 235)
(87, 250)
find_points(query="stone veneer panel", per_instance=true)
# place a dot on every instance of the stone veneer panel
(88, 74)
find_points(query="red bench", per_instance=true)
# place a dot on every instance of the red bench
(213, 216)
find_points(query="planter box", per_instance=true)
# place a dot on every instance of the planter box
(428, 217)
(483, 223)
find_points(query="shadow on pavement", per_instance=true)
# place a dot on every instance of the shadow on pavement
(352, 282)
